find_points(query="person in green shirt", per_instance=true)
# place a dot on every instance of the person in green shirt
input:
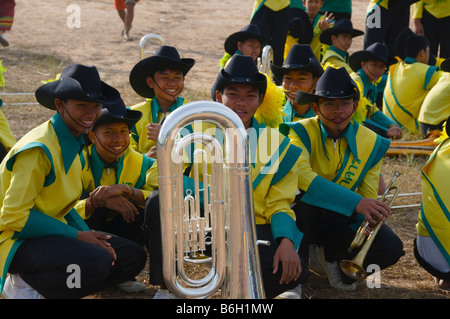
(42, 237)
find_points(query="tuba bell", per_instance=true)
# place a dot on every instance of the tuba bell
(354, 268)
(228, 218)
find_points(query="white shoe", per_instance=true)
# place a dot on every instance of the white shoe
(16, 288)
(332, 272)
(295, 293)
(132, 286)
(164, 294)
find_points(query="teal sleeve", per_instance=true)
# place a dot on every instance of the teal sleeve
(380, 118)
(40, 225)
(338, 198)
(74, 219)
(284, 226)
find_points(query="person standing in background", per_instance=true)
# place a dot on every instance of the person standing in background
(6, 19)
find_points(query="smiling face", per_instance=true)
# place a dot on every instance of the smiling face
(335, 114)
(242, 99)
(111, 140)
(250, 47)
(79, 116)
(167, 85)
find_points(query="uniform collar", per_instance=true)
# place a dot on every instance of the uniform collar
(97, 165)
(370, 89)
(344, 55)
(71, 147)
(291, 113)
(156, 108)
(349, 134)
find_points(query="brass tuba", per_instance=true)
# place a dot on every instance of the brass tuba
(228, 217)
(354, 268)
(265, 60)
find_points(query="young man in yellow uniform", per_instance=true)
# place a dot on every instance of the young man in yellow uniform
(339, 171)
(300, 72)
(159, 79)
(241, 88)
(339, 38)
(369, 67)
(116, 179)
(432, 245)
(43, 240)
(409, 80)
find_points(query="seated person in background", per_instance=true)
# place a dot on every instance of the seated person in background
(300, 72)
(369, 66)
(436, 105)
(339, 38)
(41, 234)
(339, 171)
(248, 41)
(432, 245)
(116, 179)
(241, 88)
(300, 30)
(409, 80)
(160, 79)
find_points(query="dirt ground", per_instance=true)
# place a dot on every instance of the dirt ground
(42, 44)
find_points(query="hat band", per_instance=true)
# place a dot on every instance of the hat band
(331, 93)
(239, 79)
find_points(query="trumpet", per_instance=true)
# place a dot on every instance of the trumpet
(354, 268)
(228, 219)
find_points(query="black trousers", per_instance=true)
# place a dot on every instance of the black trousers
(44, 262)
(275, 25)
(335, 232)
(437, 31)
(272, 286)
(391, 23)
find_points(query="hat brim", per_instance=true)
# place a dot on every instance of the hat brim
(150, 65)
(68, 88)
(325, 37)
(304, 98)
(278, 71)
(223, 80)
(131, 118)
(356, 58)
(230, 44)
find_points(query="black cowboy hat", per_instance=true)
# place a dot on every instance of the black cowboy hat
(409, 43)
(118, 113)
(250, 31)
(300, 27)
(340, 26)
(300, 57)
(240, 70)
(375, 52)
(78, 82)
(445, 66)
(166, 57)
(333, 84)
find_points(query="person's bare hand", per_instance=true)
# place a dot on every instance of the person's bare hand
(153, 131)
(287, 255)
(102, 194)
(98, 239)
(326, 21)
(373, 210)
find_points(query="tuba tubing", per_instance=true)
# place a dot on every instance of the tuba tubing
(236, 265)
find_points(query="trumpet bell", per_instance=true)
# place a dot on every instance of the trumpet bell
(352, 269)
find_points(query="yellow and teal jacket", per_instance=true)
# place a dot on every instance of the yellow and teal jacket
(133, 169)
(40, 185)
(274, 5)
(434, 215)
(437, 8)
(367, 111)
(273, 161)
(290, 115)
(407, 86)
(345, 169)
(151, 113)
(436, 105)
(336, 58)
